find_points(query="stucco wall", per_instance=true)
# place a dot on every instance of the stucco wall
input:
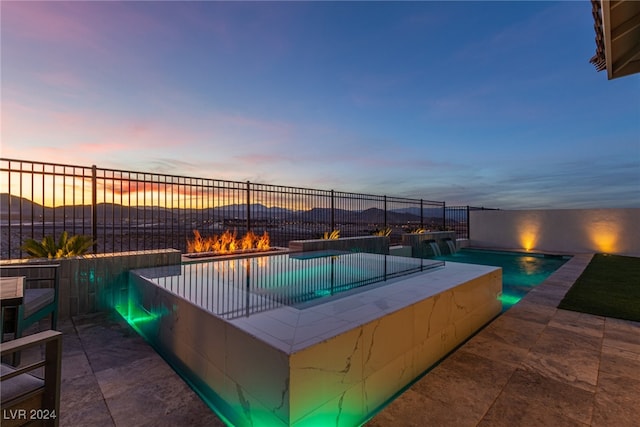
(615, 231)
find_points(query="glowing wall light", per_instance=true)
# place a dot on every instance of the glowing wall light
(528, 229)
(604, 234)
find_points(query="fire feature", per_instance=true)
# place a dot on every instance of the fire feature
(228, 243)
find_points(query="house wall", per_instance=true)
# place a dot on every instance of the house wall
(614, 231)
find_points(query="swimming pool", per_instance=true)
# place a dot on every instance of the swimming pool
(521, 272)
(236, 287)
(267, 341)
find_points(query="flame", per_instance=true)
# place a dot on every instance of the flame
(228, 242)
(248, 241)
(262, 243)
(198, 244)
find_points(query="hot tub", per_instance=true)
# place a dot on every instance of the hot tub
(309, 338)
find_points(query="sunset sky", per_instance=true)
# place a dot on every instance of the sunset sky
(483, 103)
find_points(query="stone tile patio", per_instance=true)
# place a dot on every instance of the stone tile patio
(111, 376)
(534, 365)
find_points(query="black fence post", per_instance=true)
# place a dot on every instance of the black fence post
(9, 206)
(385, 212)
(248, 206)
(444, 216)
(94, 207)
(333, 218)
(421, 214)
(468, 224)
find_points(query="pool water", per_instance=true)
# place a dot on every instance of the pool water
(237, 286)
(521, 272)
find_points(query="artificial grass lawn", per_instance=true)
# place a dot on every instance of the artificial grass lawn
(609, 286)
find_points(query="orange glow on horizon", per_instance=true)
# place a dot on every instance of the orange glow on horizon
(52, 191)
(55, 185)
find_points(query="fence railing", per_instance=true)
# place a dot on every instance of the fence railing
(244, 286)
(126, 210)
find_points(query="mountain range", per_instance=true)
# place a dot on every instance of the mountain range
(24, 209)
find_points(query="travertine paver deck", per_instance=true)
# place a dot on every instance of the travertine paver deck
(533, 366)
(111, 376)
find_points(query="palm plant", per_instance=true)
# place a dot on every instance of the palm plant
(335, 234)
(65, 246)
(385, 232)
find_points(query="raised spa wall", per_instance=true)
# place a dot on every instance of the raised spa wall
(92, 283)
(394, 334)
(370, 244)
(421, 243)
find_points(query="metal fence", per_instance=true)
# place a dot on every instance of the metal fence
(239, 287)
(457, 219)
(127, 211)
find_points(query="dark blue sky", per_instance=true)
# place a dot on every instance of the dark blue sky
(481, 103)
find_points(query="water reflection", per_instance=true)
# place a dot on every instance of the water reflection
(239, 287)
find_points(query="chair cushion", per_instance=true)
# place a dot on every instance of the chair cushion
(18, 385)
(35, 299)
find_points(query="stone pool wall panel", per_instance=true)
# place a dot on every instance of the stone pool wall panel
(334, 379)
(246, 375)
(358, 371)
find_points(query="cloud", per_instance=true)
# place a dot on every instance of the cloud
(65, 80)
(47, 22)
(80, 135)
(253, 124)
(581, 183)
(257, 159)
(80, 24)
(588, 182)
(228, 91)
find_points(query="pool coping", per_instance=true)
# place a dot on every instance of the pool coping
(331, 318)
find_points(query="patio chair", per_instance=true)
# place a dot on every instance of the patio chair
(40, 295)
(25, 396)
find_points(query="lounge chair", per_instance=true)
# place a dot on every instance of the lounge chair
(26, 397)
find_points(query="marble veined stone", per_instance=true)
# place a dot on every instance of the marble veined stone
(332, 362)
